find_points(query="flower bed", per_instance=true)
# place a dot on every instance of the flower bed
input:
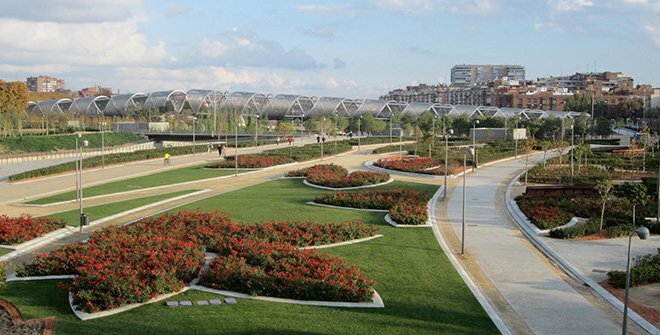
(281, 270)
(335, 176)
(251, 161)
(132, 264)
(405, 206)
(16, 230)
(423, 165)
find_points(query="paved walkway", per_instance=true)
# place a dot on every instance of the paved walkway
(533, 287)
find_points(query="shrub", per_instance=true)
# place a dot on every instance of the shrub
(131, 264)
(644, 270)
(331, 175)
(423, 165)
(16, 230)
(250, 161)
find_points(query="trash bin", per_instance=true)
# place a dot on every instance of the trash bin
(84, 219)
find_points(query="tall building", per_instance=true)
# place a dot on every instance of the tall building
(45, 84)
(420, 93)
(470, 74)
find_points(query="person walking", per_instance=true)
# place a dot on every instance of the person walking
(318, 138)
(278, 140)
(290, 139)
(323, 139)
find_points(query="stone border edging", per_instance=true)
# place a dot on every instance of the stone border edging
(573, 271)
(348, 208)
(574, 221)
(339, 244)
(346, 188)
(392, 223)
(89, 316)
(14, 278)
(481, 298)
(377, 301)
(370, 165)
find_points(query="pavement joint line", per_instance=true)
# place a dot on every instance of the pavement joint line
(480, 296)
(566, 265)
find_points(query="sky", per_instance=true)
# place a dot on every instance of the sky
(355, 49)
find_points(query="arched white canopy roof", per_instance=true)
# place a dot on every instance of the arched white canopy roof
(166, 100)
(122, 104)
(89, 106)
(200, 100)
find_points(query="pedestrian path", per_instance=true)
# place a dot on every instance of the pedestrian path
(528, 282)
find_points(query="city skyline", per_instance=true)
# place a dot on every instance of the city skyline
(354, 49)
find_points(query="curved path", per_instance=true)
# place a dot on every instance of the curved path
(543, 297)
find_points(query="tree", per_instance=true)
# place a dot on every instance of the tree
(527, 146)
(632, 108)
(637, 194)
(603, 127)
(285, 128)
(604, 188)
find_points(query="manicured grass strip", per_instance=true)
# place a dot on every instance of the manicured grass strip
(423, 294)
(4, 251)
(181, 175)
(98, 212)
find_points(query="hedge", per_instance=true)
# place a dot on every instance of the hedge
(110, 159)
(644, 270)
(35, 143)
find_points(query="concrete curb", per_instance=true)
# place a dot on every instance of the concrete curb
(392, 223)
(570, 269)
(481, 298)
(370, 165)
(377, 301)
(339, 244)
(346, 188)
(39, 241)
(90, 316)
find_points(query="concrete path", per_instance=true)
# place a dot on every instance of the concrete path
(532, 286)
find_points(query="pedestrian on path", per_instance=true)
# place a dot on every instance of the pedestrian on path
(323, 139)
(221, 150)
(318, 138)
(167, 159)
(278, 140)
(290, 140)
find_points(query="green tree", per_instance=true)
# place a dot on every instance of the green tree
(285, 128)
(637, 194)
(603, 127)
(604, 189)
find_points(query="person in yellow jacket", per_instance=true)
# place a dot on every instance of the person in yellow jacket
(167, 159)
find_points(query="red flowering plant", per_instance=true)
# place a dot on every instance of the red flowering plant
(124, 265)
(405, 206)
(423, 165)
(252, 161)
(16, 230)
(335, 176)
(281, 270)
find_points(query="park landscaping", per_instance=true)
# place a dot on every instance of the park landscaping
(644, 270)
(422, 292)
(16, 230)
(33, 143)
(424, 165)
(283, 155)
(405, 206)
(181, 175)
(335, 176)
(72, 217)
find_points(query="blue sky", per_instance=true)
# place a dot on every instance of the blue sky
(353, 49)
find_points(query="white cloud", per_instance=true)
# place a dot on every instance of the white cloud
(325, 32)
(654, 31)
(241, 48)
(35, 69)
(70, 10)
(407, 6)
(569, 5)
(333, 10)
(107, 43)
(176, 9)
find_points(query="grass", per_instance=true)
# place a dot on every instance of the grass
(4, 251)
(423, 294)
(181, 175)
(72, 217)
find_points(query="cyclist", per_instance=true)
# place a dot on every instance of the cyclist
(167, 159)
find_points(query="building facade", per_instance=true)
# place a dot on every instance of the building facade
(45, 84)
(471, 74)
(420, 93)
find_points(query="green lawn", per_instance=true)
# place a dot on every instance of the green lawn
(181, 175)
(4, 251)
(98, 212)
(422, 292)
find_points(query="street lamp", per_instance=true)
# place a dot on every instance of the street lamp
(572, 149)
(256, 132)
(235, 146)
(83, 216)
(643, 234)
(336, 129)
(446, 136)
(474, 140)
(77, 155)
(102, 126)
(472, 153)
(515, 136)
(193, 118)
(322, 137)
(359, 131)
(433, 132)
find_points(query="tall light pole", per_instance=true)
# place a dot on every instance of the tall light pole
(322, 137)
(256, 131)
(83, 216)
(193, 118)
(572, 150)
(643, 234)
(336, 129)
(235, 146)
(471, 152)
(474, 142)
(515, 137)
(446, 136)
(102, 126)
(359, 130)
(78, 135)
(433, 132)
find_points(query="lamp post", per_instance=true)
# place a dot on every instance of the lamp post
(77, 167)
(83, 216)
(471, 152)
(446, 136)
(102, 126)
(322, 137)
(256, 131)
(433, 132)
(572, 150)
(474, 142)
(515, 137)
(336, 130)
(235, 146)
(193, 118)
(359, 131)
(643, 234)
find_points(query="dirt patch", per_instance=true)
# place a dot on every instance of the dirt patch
(601, 235)
(12, 322)
(651, 314)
